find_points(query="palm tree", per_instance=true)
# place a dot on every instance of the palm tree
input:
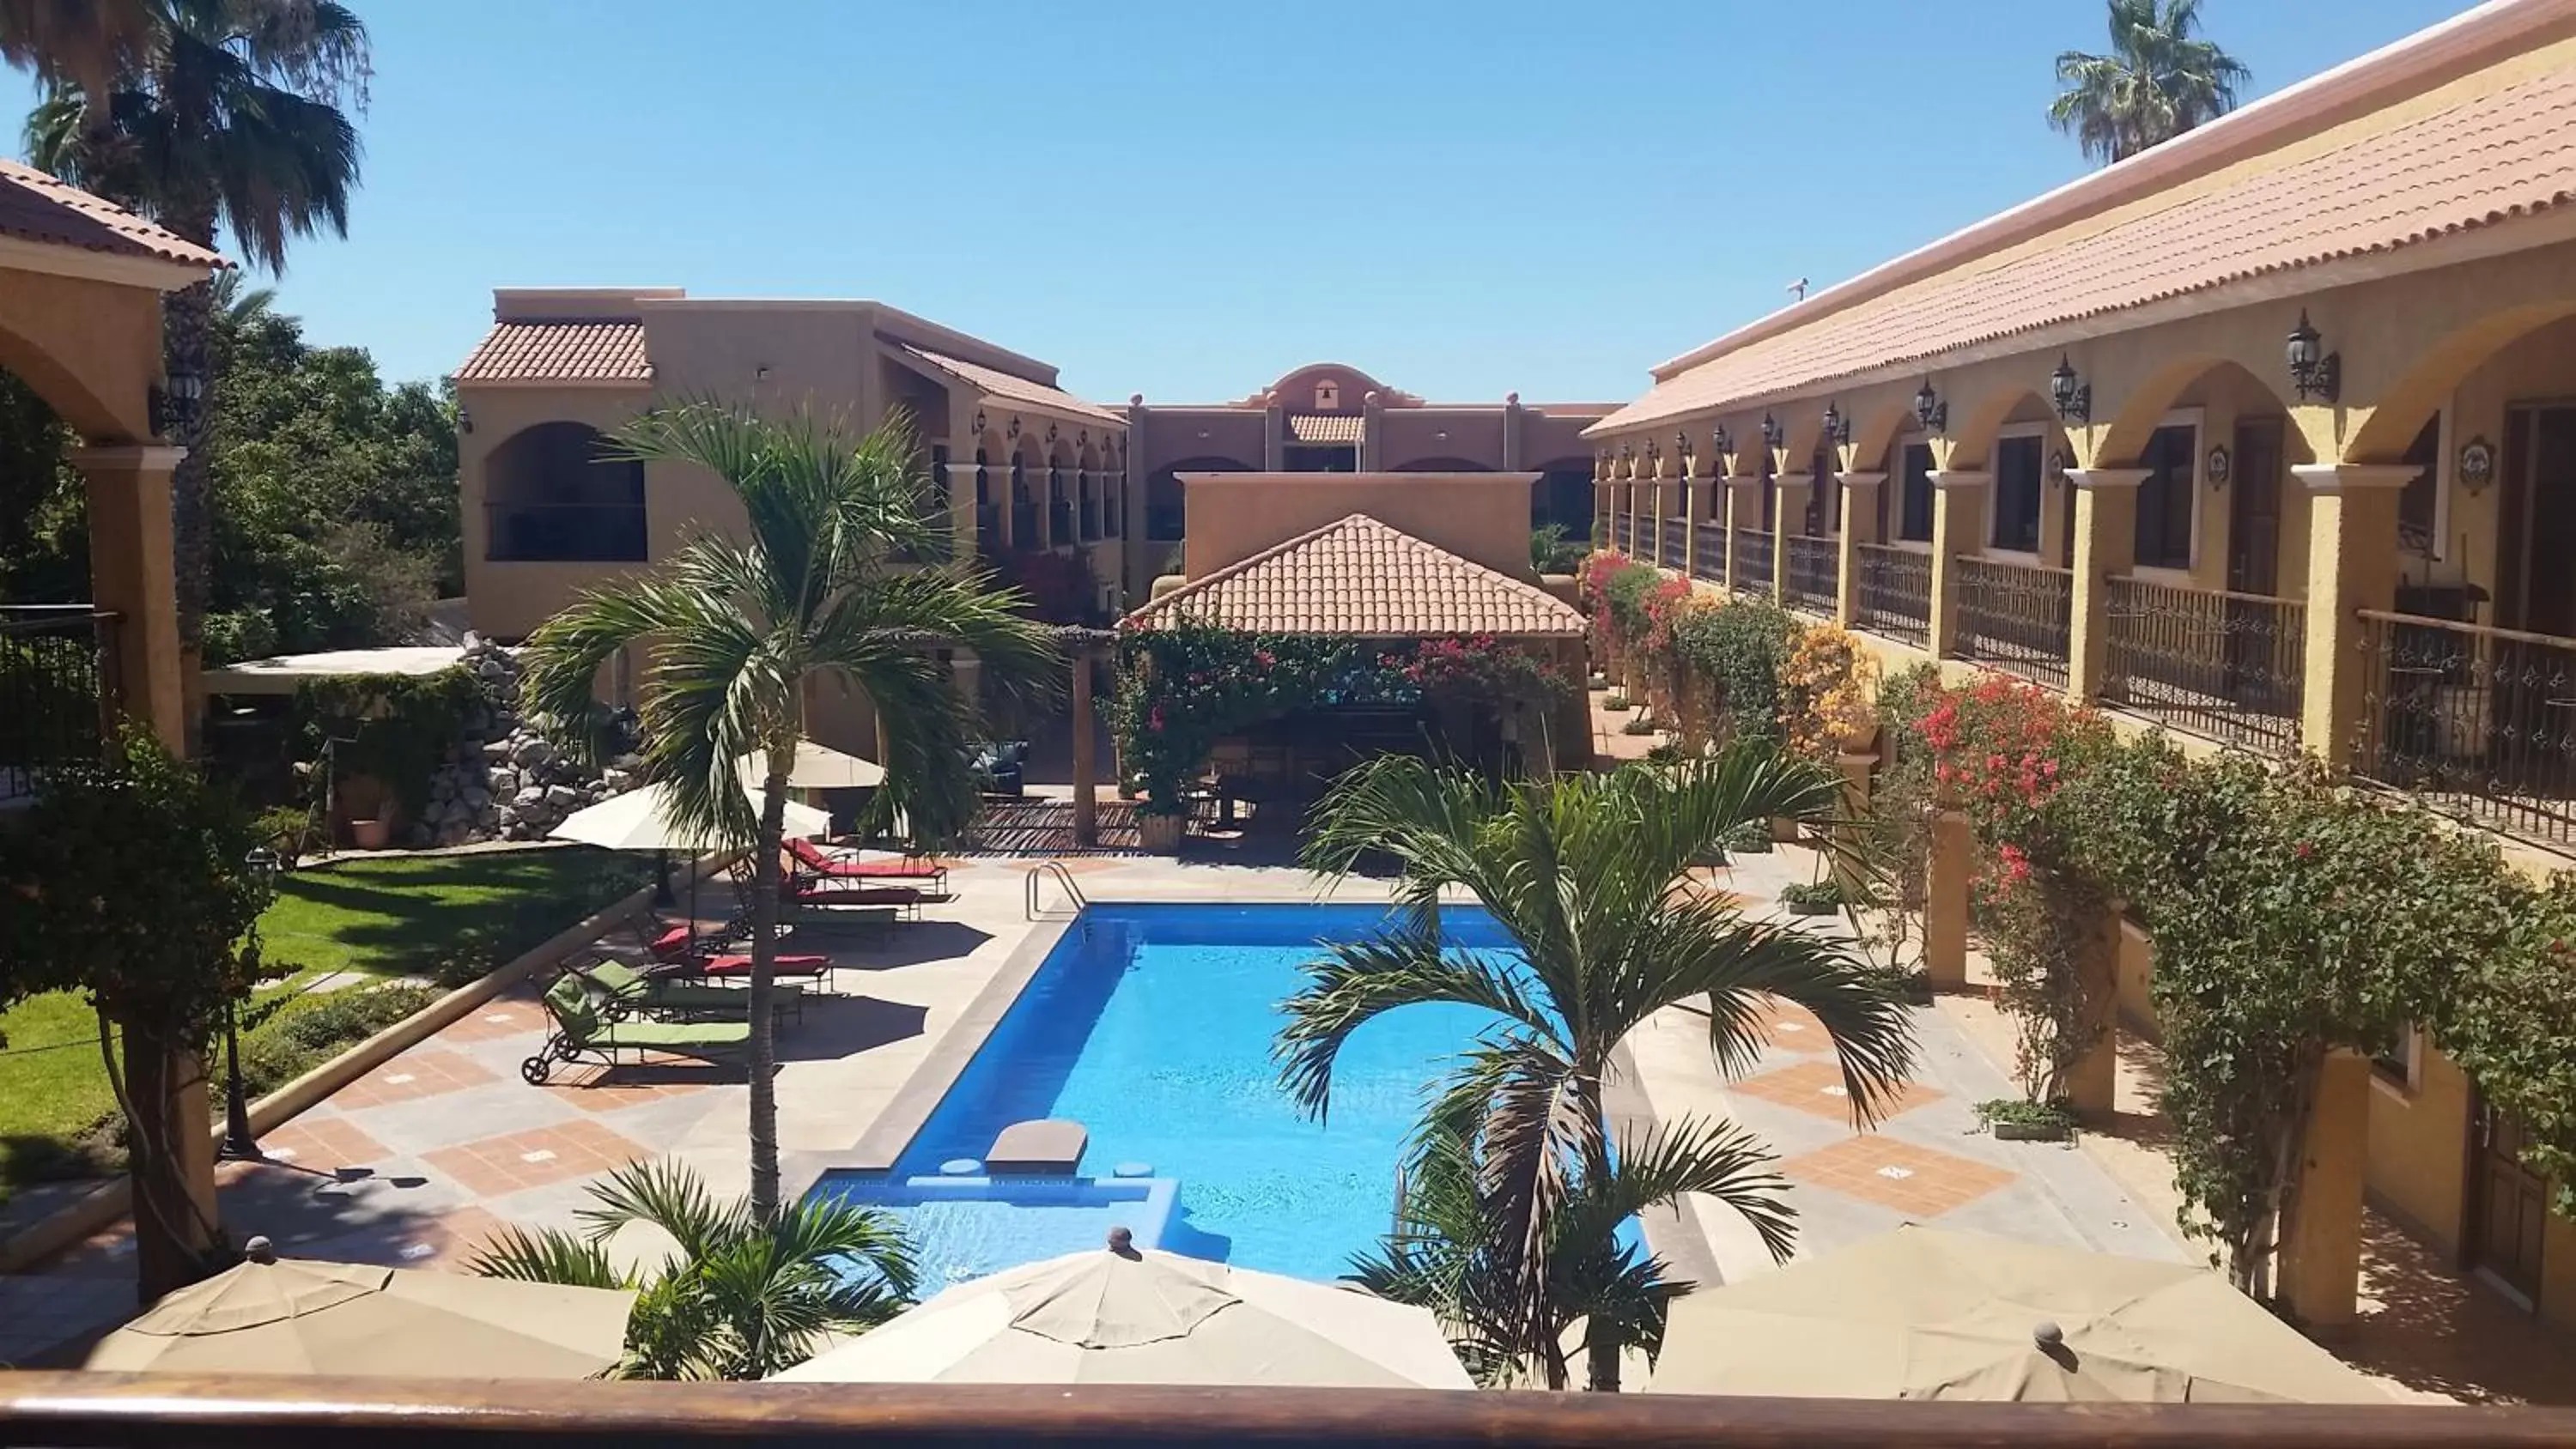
(76, 42)
(232, 112)
(1589, 877)
(744, 1296)
(2157, 82)
(737, 634)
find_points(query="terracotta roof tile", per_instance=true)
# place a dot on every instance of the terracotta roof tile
(995, 383)
(1323, 428)
(38, 207)
(2483, 161)
(574, 350)
(1358, 576)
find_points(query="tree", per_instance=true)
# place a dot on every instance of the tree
(746, 1295)
(74, 42)
(1588, 875)
(738, 632)
(231, 113)
(2157, 82)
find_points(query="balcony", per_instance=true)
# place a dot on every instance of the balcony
(2229, 666)
(1752, 562)
(564, 533)
(59, 693)
(2480, 722)
(1894, 599)
(1710, 562)
(1812, 575)
(2015, 617)
(1024, 527)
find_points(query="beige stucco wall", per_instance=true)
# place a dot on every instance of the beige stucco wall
(90, 349)
(2419, 1143)
(1478, 516)
(1414, 434)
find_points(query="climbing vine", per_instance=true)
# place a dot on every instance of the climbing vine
(396, 728)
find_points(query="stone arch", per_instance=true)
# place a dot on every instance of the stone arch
(552, 494)
(1563, 495)
(1875, 432)
(1973, 431)
(2401, 411)
(1166, 502)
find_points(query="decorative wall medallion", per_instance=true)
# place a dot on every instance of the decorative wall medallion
(2477, 464)
(2221, 464)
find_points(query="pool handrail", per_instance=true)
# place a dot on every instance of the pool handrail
(1052, 869)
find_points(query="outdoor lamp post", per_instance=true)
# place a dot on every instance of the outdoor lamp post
(239, 1143)
(2314, 371)
(2072, 395)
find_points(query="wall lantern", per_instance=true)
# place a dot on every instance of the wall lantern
(464, 421)
(176, 401)
(1627, 450)
(2220, 467)
(1050, 432)
(979, 421)
(1930, 410)
(1837, 427)
(1681, 446)
(2072, 394)
(1771, 432)
(1720, 439)
(1013, 430)
(2314, 371)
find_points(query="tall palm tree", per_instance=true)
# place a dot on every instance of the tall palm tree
(738, 632)
(744, 1296)
(74, 42)
(232, 113)
(1589, 875)
(2158, 81)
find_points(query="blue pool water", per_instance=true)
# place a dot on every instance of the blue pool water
(1152, 1026)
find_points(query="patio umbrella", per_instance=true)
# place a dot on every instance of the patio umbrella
(817, 767)
(291, 1316)
(1921, 1314)
(641, 819)
(1125, 1317)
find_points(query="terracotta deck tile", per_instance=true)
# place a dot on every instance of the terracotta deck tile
(1793, 1028)
(601, 1089)
(1898, 1175)
(319, 1144)
(495, 1019)
(1815, 1086)
(497, 1166)
(423, 1071)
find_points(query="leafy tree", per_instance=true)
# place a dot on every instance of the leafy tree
(747, 1293)
(739, 631)
(1588, 875)
(230, 112)
(2158, 81)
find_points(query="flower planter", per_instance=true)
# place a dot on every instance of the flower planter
(1813, 908)
(1160, 834)
(1784, 831)
(371, 833)
(2031, 1132)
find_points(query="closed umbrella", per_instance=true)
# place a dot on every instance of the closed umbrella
(291, 1316)
(1124, 1317)
(1924, 1314)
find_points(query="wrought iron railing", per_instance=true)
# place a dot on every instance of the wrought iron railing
(59, 689)
(2480, 722)
(2226, 665)
(1752, 562)
(1675, 543)
(1710, 562)
(1814, 573)
(2015, 617)
(1894, 599)
(563, 532)
(1623, 532)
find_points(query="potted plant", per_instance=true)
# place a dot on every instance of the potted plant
(1813, 898)
(1160, 831)
(2018, 1119)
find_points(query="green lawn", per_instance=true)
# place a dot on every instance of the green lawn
(387, 916)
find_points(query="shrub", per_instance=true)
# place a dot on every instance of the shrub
(2055, 1117)
(1753, 837)
(302, 1032)
(1814, 898)
(288, 831)
(1826, 689)
(1739, 648)
(1637, 725)
(1617, 702)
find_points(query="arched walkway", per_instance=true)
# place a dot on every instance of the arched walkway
(1166, 516)
(552, 495)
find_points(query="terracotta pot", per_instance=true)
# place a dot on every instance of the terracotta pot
(1160, 833)
(371, 833)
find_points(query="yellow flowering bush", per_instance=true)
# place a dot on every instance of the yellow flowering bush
(1829, 687)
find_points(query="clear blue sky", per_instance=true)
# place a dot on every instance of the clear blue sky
(1186, 198)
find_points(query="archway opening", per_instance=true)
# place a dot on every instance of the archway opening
(551, 495)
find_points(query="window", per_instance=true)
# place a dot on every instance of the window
(1824, 496)
(2403, 1063)
(553, 495)
(2165, 498)
(1914, 521)
(2416, 514)
(2018, 465)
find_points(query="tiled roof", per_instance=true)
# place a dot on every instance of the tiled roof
(1358, 576)
(573, 350)
(38, 207)
(1323, 428)
(995, 383)
(2487, 159)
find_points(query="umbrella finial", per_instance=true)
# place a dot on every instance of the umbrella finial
(259, 1250)
(2048, 1335)
(1123, 1243)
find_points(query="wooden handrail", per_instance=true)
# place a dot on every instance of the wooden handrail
(2462, 626)
(325, 1413)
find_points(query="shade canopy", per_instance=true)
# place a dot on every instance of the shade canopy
(1922, 1314)
(290, 1316)
(817, 767)
(641, 819)
(1107, 1317)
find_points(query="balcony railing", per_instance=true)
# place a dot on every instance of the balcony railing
(2226, 665)
(1752, 562)
(59, 689)
(2014, 617)
(1676, 542)
(1894, 599)
(1711, 561)
(1623, 533)
(1024, 527)
(2480, 722)
(1814, 570)
(563, 533)
(1060, 522)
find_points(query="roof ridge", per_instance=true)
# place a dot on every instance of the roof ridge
(1205, 581)
(1500, 589)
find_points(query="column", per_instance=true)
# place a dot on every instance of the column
(1743, 514)
(1086, 798)
(2319, 1274)
(1512, 421)
(131, 577)
(2092, 1084)
(2106, 546)
(1690, 522)
(1945, 900)
(1958, 505)
(1851, 834)
(1860, 526)
(2352, 564)
(1274, 436)
(1789, 517)
(960, 481)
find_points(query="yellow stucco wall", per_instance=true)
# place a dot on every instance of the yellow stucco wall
(2419, 1147)
(1479, 516)
(90, 349)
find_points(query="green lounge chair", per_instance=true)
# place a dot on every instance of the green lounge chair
(585, 1033)
(625, 992)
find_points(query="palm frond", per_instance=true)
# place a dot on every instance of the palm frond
(548, 1256)
(1355, 982)
(667, 1195)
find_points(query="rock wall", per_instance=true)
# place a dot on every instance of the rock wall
(504, 781)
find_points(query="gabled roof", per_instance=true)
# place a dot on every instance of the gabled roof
(992, 382)
(2483, 160)
(1357, 576)
(1324, 427)
(572, 350)
(38, 207)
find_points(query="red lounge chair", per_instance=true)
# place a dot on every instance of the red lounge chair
(814, 860)
(672, 948)
(807, 892)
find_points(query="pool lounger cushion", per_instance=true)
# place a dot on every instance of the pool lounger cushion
(1045, 1148)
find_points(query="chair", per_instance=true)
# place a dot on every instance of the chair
(814, 860)
(583, 1032)
(627, 991)
(807, 893)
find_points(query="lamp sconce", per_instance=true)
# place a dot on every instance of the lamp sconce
(1050, 432)
(2220, 467)
(1771, 431)
(2072, 394)
(1930, 410)
(760, 373)
(1013, 430)
(175, 402)
(1681, 446)
(979, 422)
(2477, 465)
(2314, 371)
(1837, 427)
(1721, 439)
(464, 420)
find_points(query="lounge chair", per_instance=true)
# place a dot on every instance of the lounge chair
(814, 860)
(584, 1032)
(807, 893)
(676, 953)
(625, 991)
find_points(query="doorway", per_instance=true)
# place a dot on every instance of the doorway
(2508, 1205)
(2533, 593)
(2254, 517)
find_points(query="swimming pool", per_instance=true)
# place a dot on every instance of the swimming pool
(1151, 1025)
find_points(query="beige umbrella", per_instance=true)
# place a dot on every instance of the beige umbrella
(291, 1316)
(641, 819)
(1921, 1314)
(817, 767)
(1124, 1317)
